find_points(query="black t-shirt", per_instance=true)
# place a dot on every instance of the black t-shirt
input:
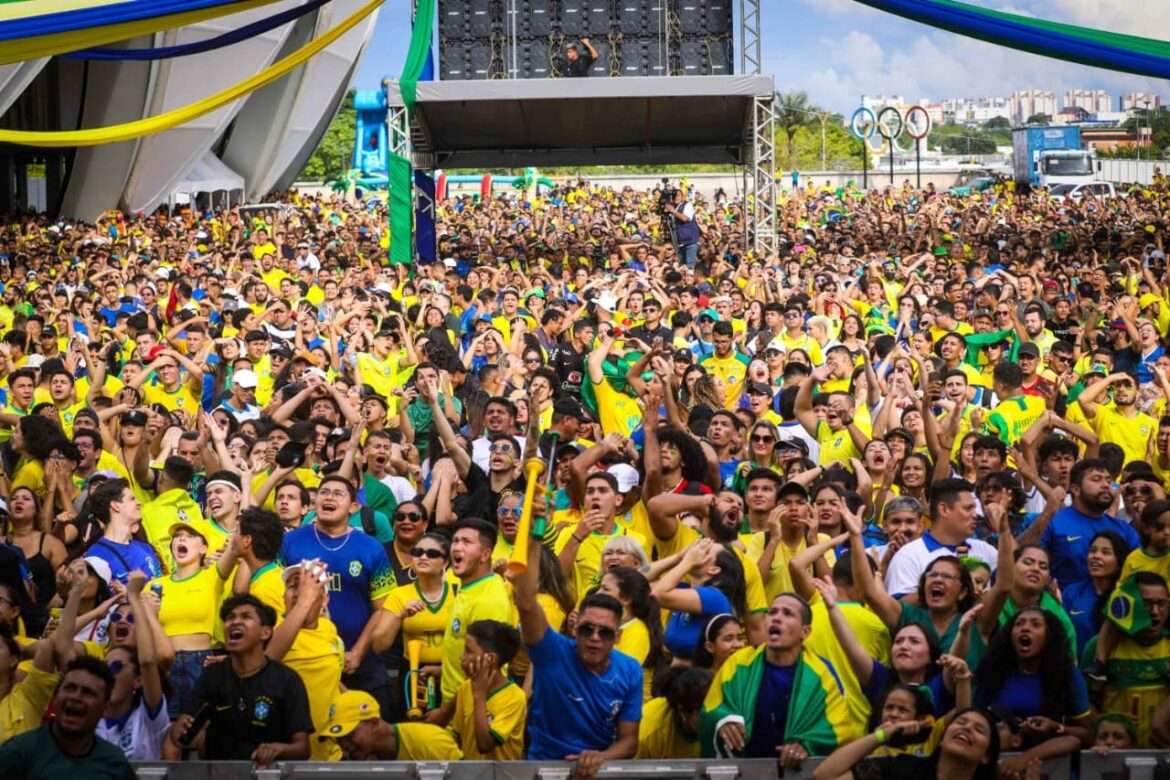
(903, 767)
(580, 66)
(480, 500)
(269, 706)
(647, 335)
(570, 367)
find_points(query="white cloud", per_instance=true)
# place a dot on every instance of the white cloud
(884, 60)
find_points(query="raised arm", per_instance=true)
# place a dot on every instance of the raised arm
(148, 660)
(882, 603)
(803, 406)
(430, 394)
(533, 623)
(859, 660)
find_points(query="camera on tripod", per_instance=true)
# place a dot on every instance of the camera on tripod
(665, 196)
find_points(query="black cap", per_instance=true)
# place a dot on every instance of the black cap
(49, 332)
(281, 349)
(759, 388)
(567, 407)
(685, 355)
(795, 443)
(1030, 349)
(134, 417)
(792, 488)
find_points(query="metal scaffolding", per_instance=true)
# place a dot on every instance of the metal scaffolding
(761, 177)
(750, 57)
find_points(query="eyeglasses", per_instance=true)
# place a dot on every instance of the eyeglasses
(501, 447)
(588, 630)
(407, 517)
(505, 511)
(942, 575)
(427, 552)
(763, 439)
(120, 617)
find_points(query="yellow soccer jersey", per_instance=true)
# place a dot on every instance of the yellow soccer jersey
(507, 709)
(1140, 560)
(731, 372)
(190, 605)
(428, 624)
(836, 446)
(1132, 434)
(778, 580)
(379, 374)
(684, 536)
(424, 742)
(487, 598)
(318, 657)
(659, 735)
(587, 563)
(182, 399)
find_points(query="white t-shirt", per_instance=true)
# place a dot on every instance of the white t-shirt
(908, 563)
(140, 734)
(402, 488)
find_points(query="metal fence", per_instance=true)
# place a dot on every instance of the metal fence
(1121, 765)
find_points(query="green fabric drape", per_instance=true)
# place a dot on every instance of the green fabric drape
(401, 176)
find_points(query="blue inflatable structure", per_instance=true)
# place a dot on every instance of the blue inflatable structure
(371, 147)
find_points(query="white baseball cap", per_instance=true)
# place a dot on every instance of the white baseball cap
(626, 475)
(100, 567)
(245, 378)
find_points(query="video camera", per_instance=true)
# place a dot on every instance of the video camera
(665, 196)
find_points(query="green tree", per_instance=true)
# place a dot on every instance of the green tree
(841, 150)
(332, 157)
(793, 112)
(998, 123)
(1039, 119)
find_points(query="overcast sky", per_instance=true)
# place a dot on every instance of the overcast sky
(837, 50)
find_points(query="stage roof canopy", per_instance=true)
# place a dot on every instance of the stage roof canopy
(588, 121)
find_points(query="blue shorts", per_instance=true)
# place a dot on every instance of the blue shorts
(185, 673)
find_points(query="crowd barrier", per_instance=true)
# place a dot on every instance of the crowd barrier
(1121, 765)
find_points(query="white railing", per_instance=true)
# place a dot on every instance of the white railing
(1129, 764)
(1130, 171)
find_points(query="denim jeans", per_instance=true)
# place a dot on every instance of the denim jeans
(185, 673)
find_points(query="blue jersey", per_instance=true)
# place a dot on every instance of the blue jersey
(572, 709)
(359, 573)
(1067, 540)
(683, 629)
(125, 558)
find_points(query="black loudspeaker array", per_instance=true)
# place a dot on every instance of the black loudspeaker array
(499, 39)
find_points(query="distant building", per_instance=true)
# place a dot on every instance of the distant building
(1029, 102)
(1093, 101)
(1140, 100)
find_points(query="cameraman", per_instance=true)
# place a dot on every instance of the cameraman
(686, 230)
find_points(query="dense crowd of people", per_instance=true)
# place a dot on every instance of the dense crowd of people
(602, 483)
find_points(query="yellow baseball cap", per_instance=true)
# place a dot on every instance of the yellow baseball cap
(346, 711)
(202, 528)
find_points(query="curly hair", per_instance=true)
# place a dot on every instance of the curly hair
(1055, 668)
(965, 582)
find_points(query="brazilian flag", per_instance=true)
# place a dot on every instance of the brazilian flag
(1126, 609)
(615, 374)
(818, 717)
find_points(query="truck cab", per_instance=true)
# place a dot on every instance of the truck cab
(1065, 166)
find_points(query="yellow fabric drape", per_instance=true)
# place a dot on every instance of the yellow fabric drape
(165, 121)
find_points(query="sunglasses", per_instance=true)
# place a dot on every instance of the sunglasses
(119, 617)
(764, 439)
(588, 630)
(501, 447)
(407, 517)
(505, 511)
(427, 552)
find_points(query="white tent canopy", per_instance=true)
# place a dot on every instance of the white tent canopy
(209, 175)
